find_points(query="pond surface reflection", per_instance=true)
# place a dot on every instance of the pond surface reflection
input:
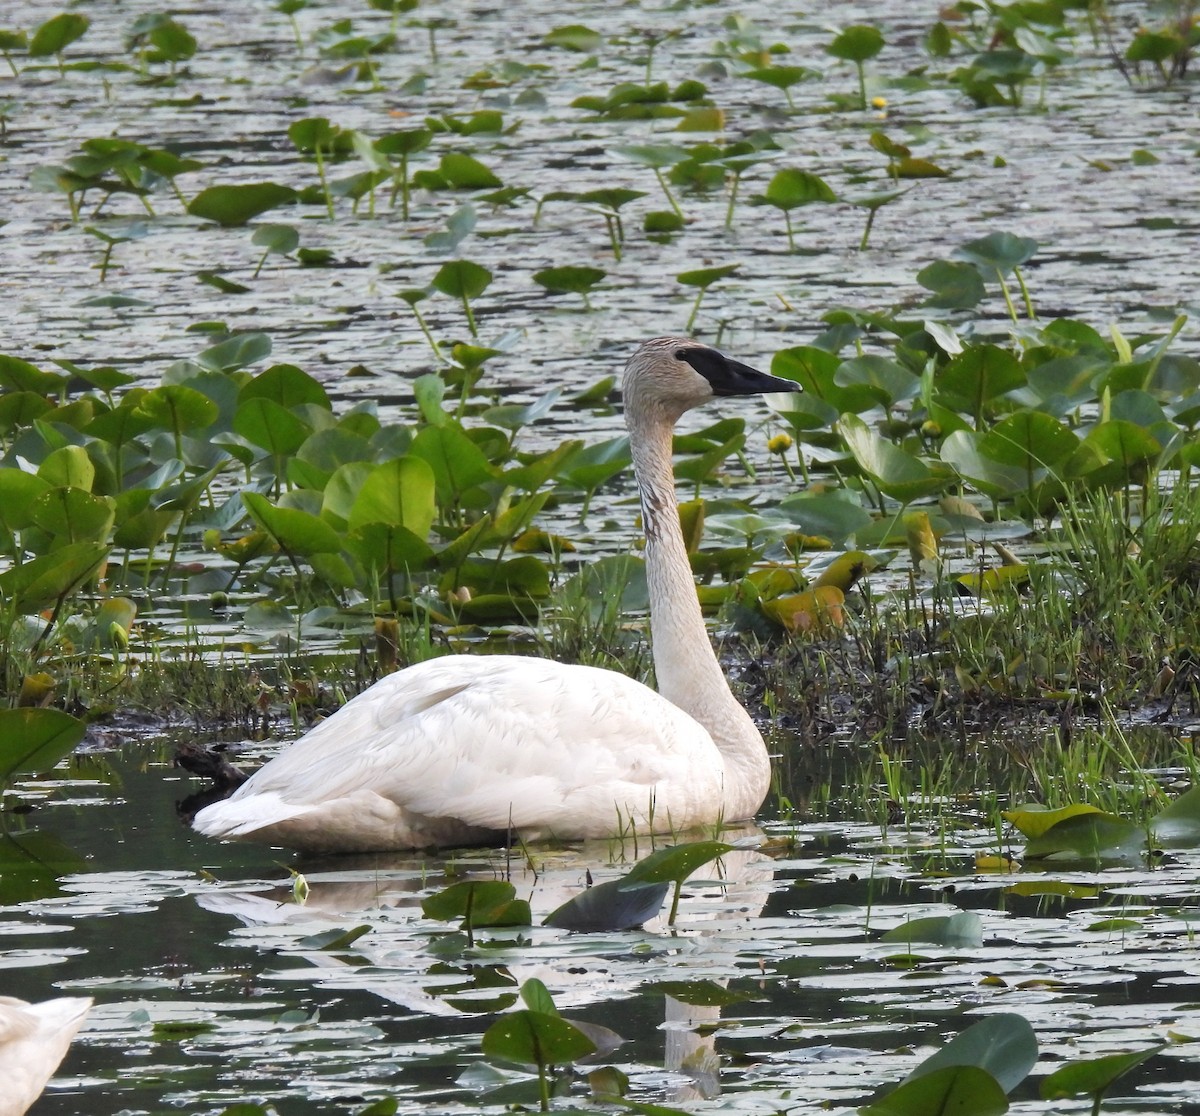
(215, 985)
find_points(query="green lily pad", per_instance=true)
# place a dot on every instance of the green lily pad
(235, 205)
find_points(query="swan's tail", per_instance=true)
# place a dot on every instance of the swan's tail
(234, 819)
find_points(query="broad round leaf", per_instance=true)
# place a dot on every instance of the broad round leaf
(178, 408)
(235, 205)
(895, 471)
(462, 279)
(610, 906)
(458, 463)
(791, 188)
(998, 253)
(297, 532)
(574, 280)
(68, 466)
(281, 239)
(462, 172)
(73, 514)
(49, 578)
(287, 385)
(705, 277)
(978, 374)
(18, 490)
(857, 43)
(535, 1038)
(399, 493)
(961, 930)
(57, 33)
(676, 862)
(1033, 820)
(1093, 1076)
(265, 423)
(951, 1091)
(1004, 1045)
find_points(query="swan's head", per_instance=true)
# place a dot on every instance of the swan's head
(669, 375)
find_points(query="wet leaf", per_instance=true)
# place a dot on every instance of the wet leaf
(286, 385)
(1003, 1045)
(33, 741)
(297, 532)
(400, 493)
(57, 33)
(536, 996)
(857, 43)
(998, 253)
(459, 171)
(458, 464)
(1091, 837)
(1179, 823)
(1093, 1076)
(43, 581)
(68, 467)
(462, 279)
(954, 1090)
(790, 188)
(962, 930)
(479, 903)
(575, 37)
(897, 473)
(955, 286)
(334, 940)
(614, 905)
(818, 610)
(267, 424)
(676, 862)
(536, 1039)
(979, 374)
(705, 277)
(1033, 820)
(575, 280)
(73, 515)
(235, 205)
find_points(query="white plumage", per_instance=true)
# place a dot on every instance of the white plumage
(462, 749)
(33, 1041)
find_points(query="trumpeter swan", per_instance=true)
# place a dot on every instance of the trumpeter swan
(461, 749)
(33, 1040)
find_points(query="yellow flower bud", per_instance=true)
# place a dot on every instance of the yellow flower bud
(779, 444)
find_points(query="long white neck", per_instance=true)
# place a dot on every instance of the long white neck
(688, 672)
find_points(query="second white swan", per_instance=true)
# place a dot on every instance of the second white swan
(462, 749)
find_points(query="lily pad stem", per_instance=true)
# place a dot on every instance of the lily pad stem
(662, 181)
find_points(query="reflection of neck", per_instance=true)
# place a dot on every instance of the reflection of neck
(686, 667)
(688, 1051)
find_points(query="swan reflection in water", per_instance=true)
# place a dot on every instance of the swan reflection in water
(393, 962)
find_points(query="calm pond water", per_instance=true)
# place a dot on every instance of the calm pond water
(209, 988)
(212, 988)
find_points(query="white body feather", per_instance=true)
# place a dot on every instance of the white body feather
(462, 749)
(33, 1041)
(458, 749)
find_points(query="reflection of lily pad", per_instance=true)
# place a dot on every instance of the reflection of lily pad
(31, 865)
